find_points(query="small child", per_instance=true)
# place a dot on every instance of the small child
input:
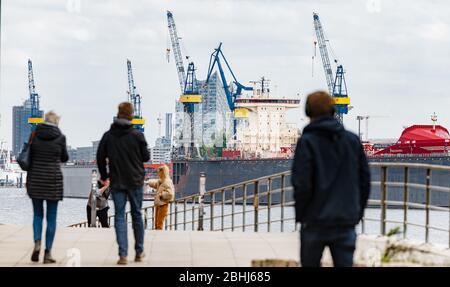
(101, 199)
(164, 195)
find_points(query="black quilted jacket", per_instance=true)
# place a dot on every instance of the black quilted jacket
(48, 151)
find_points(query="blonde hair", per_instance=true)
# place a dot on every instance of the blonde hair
(52, 118)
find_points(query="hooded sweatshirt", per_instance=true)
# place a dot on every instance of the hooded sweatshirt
(126, 151)
(330, 175)
(165, 191)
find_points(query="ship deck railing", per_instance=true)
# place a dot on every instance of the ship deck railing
(266, 204)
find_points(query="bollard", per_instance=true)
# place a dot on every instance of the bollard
(93, 199)
(202, 190)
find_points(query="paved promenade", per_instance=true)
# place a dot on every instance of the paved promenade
(97, 247)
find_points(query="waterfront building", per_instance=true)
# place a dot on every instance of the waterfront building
(20, 128)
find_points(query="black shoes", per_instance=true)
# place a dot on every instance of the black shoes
(48, 257)
(139, 257)
(36, 250)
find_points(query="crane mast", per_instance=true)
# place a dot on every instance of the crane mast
(324, 53)
(135, 99)
(35, 116)
(190, 98)
(175, 40)
(337, 86)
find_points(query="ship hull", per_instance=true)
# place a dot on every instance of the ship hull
(220, 173)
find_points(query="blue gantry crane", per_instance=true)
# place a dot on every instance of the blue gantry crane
(337, 86)
(36, 115)
(135, 99)
(231, 92)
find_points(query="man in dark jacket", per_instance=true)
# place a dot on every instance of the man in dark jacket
(124, 149)
(331, 180)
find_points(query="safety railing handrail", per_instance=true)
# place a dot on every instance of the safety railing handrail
(257, 196)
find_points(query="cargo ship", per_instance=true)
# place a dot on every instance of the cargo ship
(417, 144)
(262, 154)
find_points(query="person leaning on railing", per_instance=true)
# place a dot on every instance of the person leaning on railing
(165, 193)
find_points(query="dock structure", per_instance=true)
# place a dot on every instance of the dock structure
(247, 223)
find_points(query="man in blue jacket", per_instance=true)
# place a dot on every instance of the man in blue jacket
(331, 180)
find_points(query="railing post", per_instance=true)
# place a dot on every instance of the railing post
(193, 214)
(427, 205)
(233, 202)
(282, 203)
(176, 214)
(184, 214)
(383, 199)
(244, 204)
(170, 216)
(211, 222)
(153, 217)
(222, 210)
(256, 205)
(145, 218)
(269, 203)
(93, 198)
(202, 189)
(405, 200)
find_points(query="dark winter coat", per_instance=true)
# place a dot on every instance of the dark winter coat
(126, 151)
(48, 151)
(330, 175)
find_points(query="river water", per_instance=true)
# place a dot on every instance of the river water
(16, 208)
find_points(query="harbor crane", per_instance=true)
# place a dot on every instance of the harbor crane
(176, 50)
(231, 92)
(35, 115)
(337, 86)
(190, 99)
(135, 99)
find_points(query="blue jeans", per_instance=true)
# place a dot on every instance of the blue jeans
(340, 240)
(135, 196)
(38, 217)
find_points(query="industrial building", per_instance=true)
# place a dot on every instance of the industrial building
(162, 151)
(20, 127)
(212, 118)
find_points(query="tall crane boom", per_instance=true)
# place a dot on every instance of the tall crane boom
(324, 52)
(175, 40)
(135, 99)
(35, 116)
(231, 96)
(337, 86)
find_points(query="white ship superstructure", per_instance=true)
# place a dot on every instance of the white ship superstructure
(262, 130)
(10, 172)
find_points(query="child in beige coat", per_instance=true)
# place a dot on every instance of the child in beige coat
(165, 193)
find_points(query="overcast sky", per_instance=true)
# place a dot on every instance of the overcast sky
(395, 54)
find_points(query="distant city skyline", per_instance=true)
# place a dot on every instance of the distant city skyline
(391, 52)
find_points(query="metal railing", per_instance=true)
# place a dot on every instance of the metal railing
(267, 204)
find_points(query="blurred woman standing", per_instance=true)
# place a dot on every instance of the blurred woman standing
(165, 193)
(45, 180)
